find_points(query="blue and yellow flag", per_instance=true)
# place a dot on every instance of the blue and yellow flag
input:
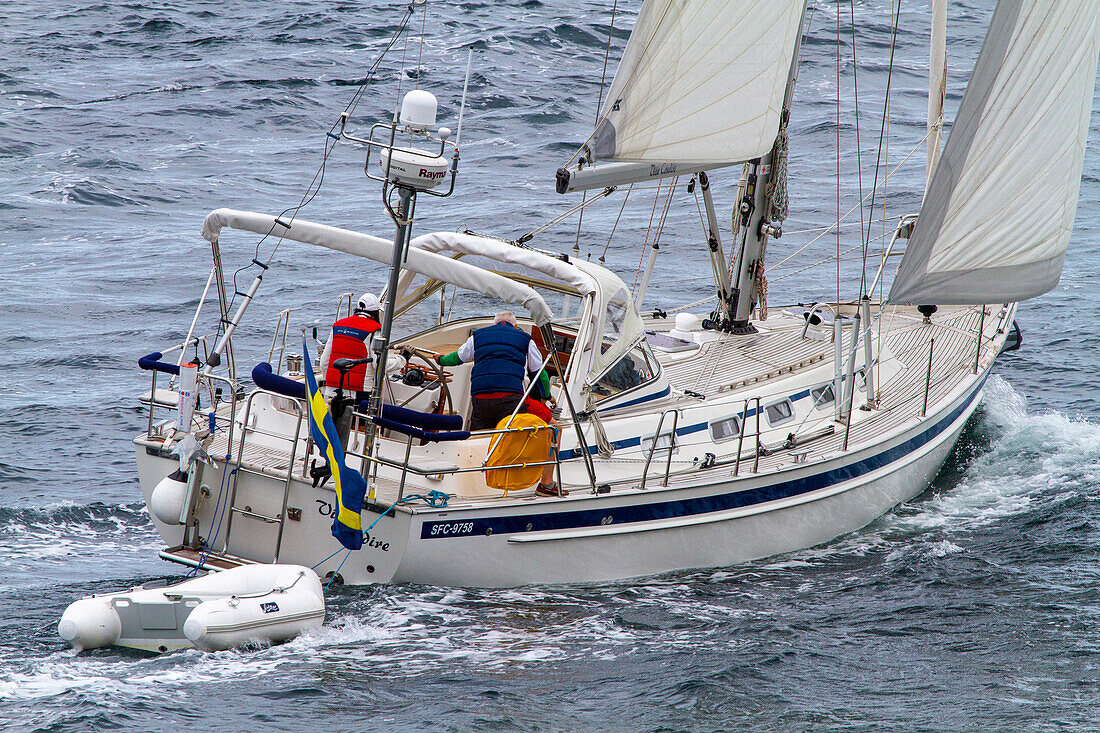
(347, 523)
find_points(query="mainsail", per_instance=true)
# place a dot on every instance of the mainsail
(700, 82)
(998, 213)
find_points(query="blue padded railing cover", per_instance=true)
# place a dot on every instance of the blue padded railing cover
(425, 420)
(421, 434)
(151, 362)
(266, 379)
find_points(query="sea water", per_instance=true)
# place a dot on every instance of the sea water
(973, 608)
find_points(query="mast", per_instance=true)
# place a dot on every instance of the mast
(937, 84)
(755, 225)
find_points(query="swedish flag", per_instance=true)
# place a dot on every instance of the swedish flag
(347, 523)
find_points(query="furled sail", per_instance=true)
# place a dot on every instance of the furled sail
(998, 213)
(700, 81)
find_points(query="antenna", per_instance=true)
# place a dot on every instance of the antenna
(465, 86)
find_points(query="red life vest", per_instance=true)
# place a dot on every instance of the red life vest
(350, 337)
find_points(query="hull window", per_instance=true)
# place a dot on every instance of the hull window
(822, 396)
(725, 429)
(779, 412)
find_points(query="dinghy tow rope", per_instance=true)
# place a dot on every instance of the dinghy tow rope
(331, 140)
(434, 498)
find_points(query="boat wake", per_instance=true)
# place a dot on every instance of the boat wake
(1010, 467)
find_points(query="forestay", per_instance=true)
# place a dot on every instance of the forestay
(380, 250)
(700, 81)
(999, 210)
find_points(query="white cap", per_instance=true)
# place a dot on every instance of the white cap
(368, 302)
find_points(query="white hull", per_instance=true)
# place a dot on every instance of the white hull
(584, 538)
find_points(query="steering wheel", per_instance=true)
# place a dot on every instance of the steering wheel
(441, 376)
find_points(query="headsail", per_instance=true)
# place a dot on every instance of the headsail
(700, 81)
(998, 213)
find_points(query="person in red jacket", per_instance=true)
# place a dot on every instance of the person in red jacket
(351, 339)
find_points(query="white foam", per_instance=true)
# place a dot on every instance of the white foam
(1033, 458)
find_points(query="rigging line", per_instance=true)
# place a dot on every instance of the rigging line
(691, 305)
(802, 46)
(859, 146)
(599, 103)
(569, 212)
(882, 259)
(664, 214)
(606, 55)
(811, 266)
(420, 53)
(580, 221)
(813, 230)
(877, 239)
(698, 208)
(350, 109)
(838, 151)
(645, 242)
(603, 255)
(882, 133)
(641, 54)
(328, 147)
(401, 74)
(837, 224)
(660, 229)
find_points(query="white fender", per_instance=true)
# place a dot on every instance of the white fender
(90, 623)
(166, 501)
(294, 605)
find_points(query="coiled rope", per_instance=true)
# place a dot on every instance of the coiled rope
(777, 186)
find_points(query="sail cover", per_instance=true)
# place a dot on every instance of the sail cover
(700, 81)
(998, 213)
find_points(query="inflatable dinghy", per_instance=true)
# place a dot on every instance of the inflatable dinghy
(251, 603)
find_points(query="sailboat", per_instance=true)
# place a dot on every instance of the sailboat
(685, 440)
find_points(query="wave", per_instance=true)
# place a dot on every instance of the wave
(31, 536)
(70, 189)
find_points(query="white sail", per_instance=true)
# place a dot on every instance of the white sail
(700, 81)
(998, 213)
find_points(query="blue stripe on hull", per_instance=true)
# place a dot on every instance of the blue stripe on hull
(689, 507)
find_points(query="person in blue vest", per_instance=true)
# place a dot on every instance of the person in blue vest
(502, 353)
(351, 339)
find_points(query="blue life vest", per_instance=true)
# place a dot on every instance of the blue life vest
(500, 359)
